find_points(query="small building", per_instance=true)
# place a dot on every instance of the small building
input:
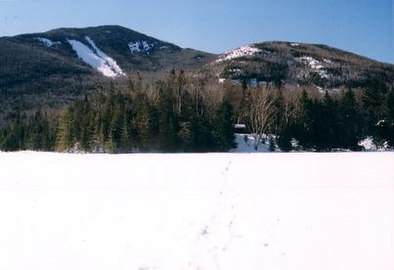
(240, 128)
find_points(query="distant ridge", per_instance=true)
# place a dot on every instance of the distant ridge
(299, 64)
(56, 67)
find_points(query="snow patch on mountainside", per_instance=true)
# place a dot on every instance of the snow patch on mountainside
(47, 42)
(315, 65)
(110, 62)
(141, 46)
(97, 58)
(247, 50)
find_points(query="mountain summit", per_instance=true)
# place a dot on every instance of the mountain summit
(66, 62)
(110, 50)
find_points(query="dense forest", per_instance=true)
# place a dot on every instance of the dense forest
(186, 114)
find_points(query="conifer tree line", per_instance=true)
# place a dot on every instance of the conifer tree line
(184, 114)
(171, 119)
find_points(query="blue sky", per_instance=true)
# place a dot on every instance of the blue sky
(361, 26)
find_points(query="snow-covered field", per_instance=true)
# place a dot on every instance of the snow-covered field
(209, 211)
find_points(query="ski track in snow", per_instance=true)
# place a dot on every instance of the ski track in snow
(216, 236)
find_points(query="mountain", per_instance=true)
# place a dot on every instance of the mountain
(58, 66)
(194, 110)
(51, 69)
(298, 64)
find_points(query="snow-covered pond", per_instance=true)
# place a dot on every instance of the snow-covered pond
(205, 211)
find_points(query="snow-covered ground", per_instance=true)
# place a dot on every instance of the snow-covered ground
(246, 144)
(206, 211)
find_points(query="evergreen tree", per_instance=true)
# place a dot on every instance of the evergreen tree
(385, 127)
(168, 119)
(304, 128)
(373, 101)
(65, 135)
(328, 124)
(223, 127)
(349, 121)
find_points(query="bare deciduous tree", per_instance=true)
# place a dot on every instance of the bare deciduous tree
(291, 106)
(262, 111)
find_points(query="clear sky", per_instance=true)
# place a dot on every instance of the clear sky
(361, 26)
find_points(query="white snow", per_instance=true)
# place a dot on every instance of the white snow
(134, 47)
(235, 70)
(109, 61)
(246, 144)
(294, 44)
(243, 126)
(141, 46)
(295, 144)
(368, 144)
(247, 50)
(47, 42)
(315, 65)
(96, 58)
(222, 80)
(208, 211)
(321, 90)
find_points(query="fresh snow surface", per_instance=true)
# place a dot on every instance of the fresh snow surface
(247, 50)
(140, 46)
(207, 211)
(97, 58)
(47, 42)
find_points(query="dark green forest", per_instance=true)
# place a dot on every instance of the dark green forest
(183, 114)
